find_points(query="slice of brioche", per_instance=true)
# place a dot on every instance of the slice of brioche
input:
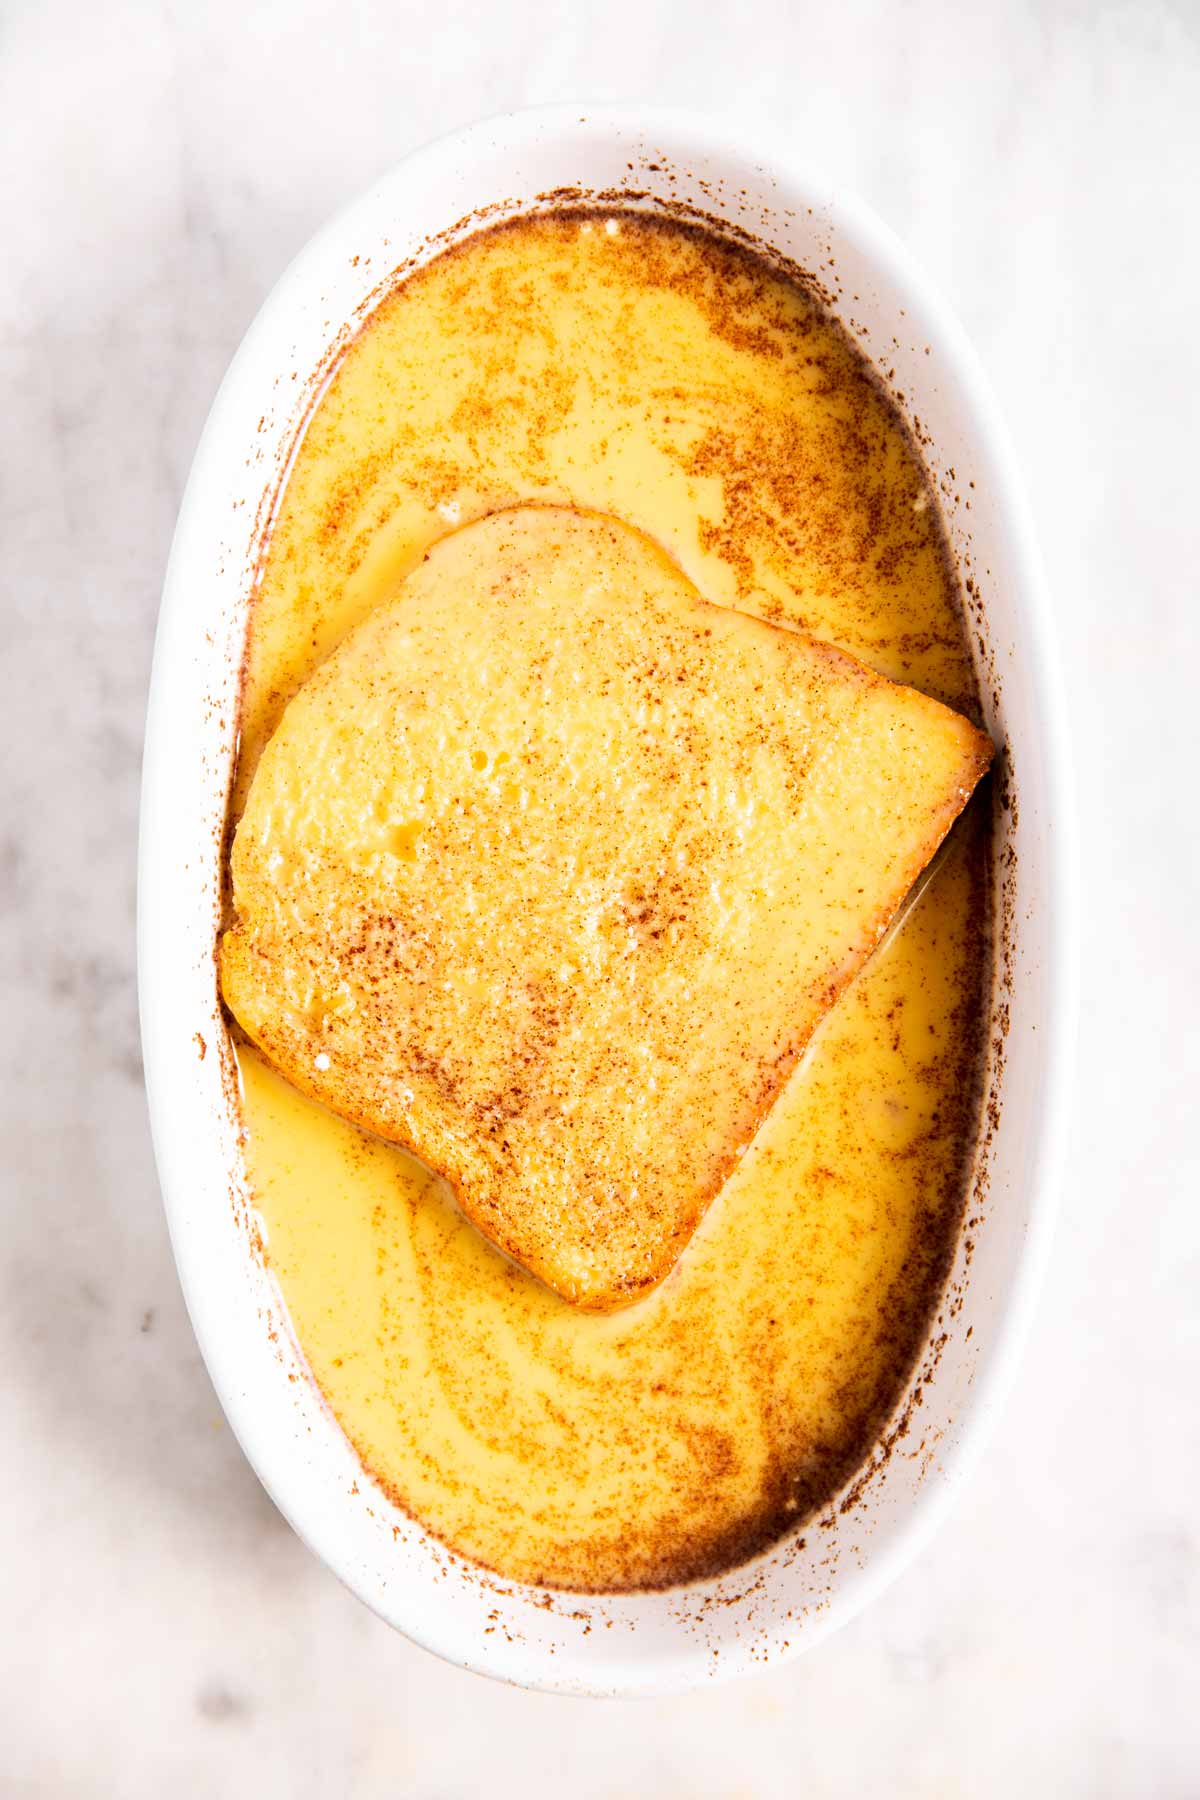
(549, 873)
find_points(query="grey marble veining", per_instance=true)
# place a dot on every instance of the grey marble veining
(164, 1632)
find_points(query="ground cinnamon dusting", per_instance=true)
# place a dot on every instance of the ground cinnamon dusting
(780, 476)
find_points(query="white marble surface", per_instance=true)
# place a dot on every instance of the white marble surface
(163, 1632)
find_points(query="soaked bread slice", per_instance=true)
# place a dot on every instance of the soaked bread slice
(550, 872)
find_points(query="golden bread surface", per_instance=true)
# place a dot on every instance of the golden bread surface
(549, 873)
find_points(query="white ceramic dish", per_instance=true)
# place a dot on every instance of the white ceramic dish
(791, 1597)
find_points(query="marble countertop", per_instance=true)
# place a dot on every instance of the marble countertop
(164, 1632)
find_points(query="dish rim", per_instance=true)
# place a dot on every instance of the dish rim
(701, 139)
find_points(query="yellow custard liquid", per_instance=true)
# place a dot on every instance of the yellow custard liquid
(648, 370)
